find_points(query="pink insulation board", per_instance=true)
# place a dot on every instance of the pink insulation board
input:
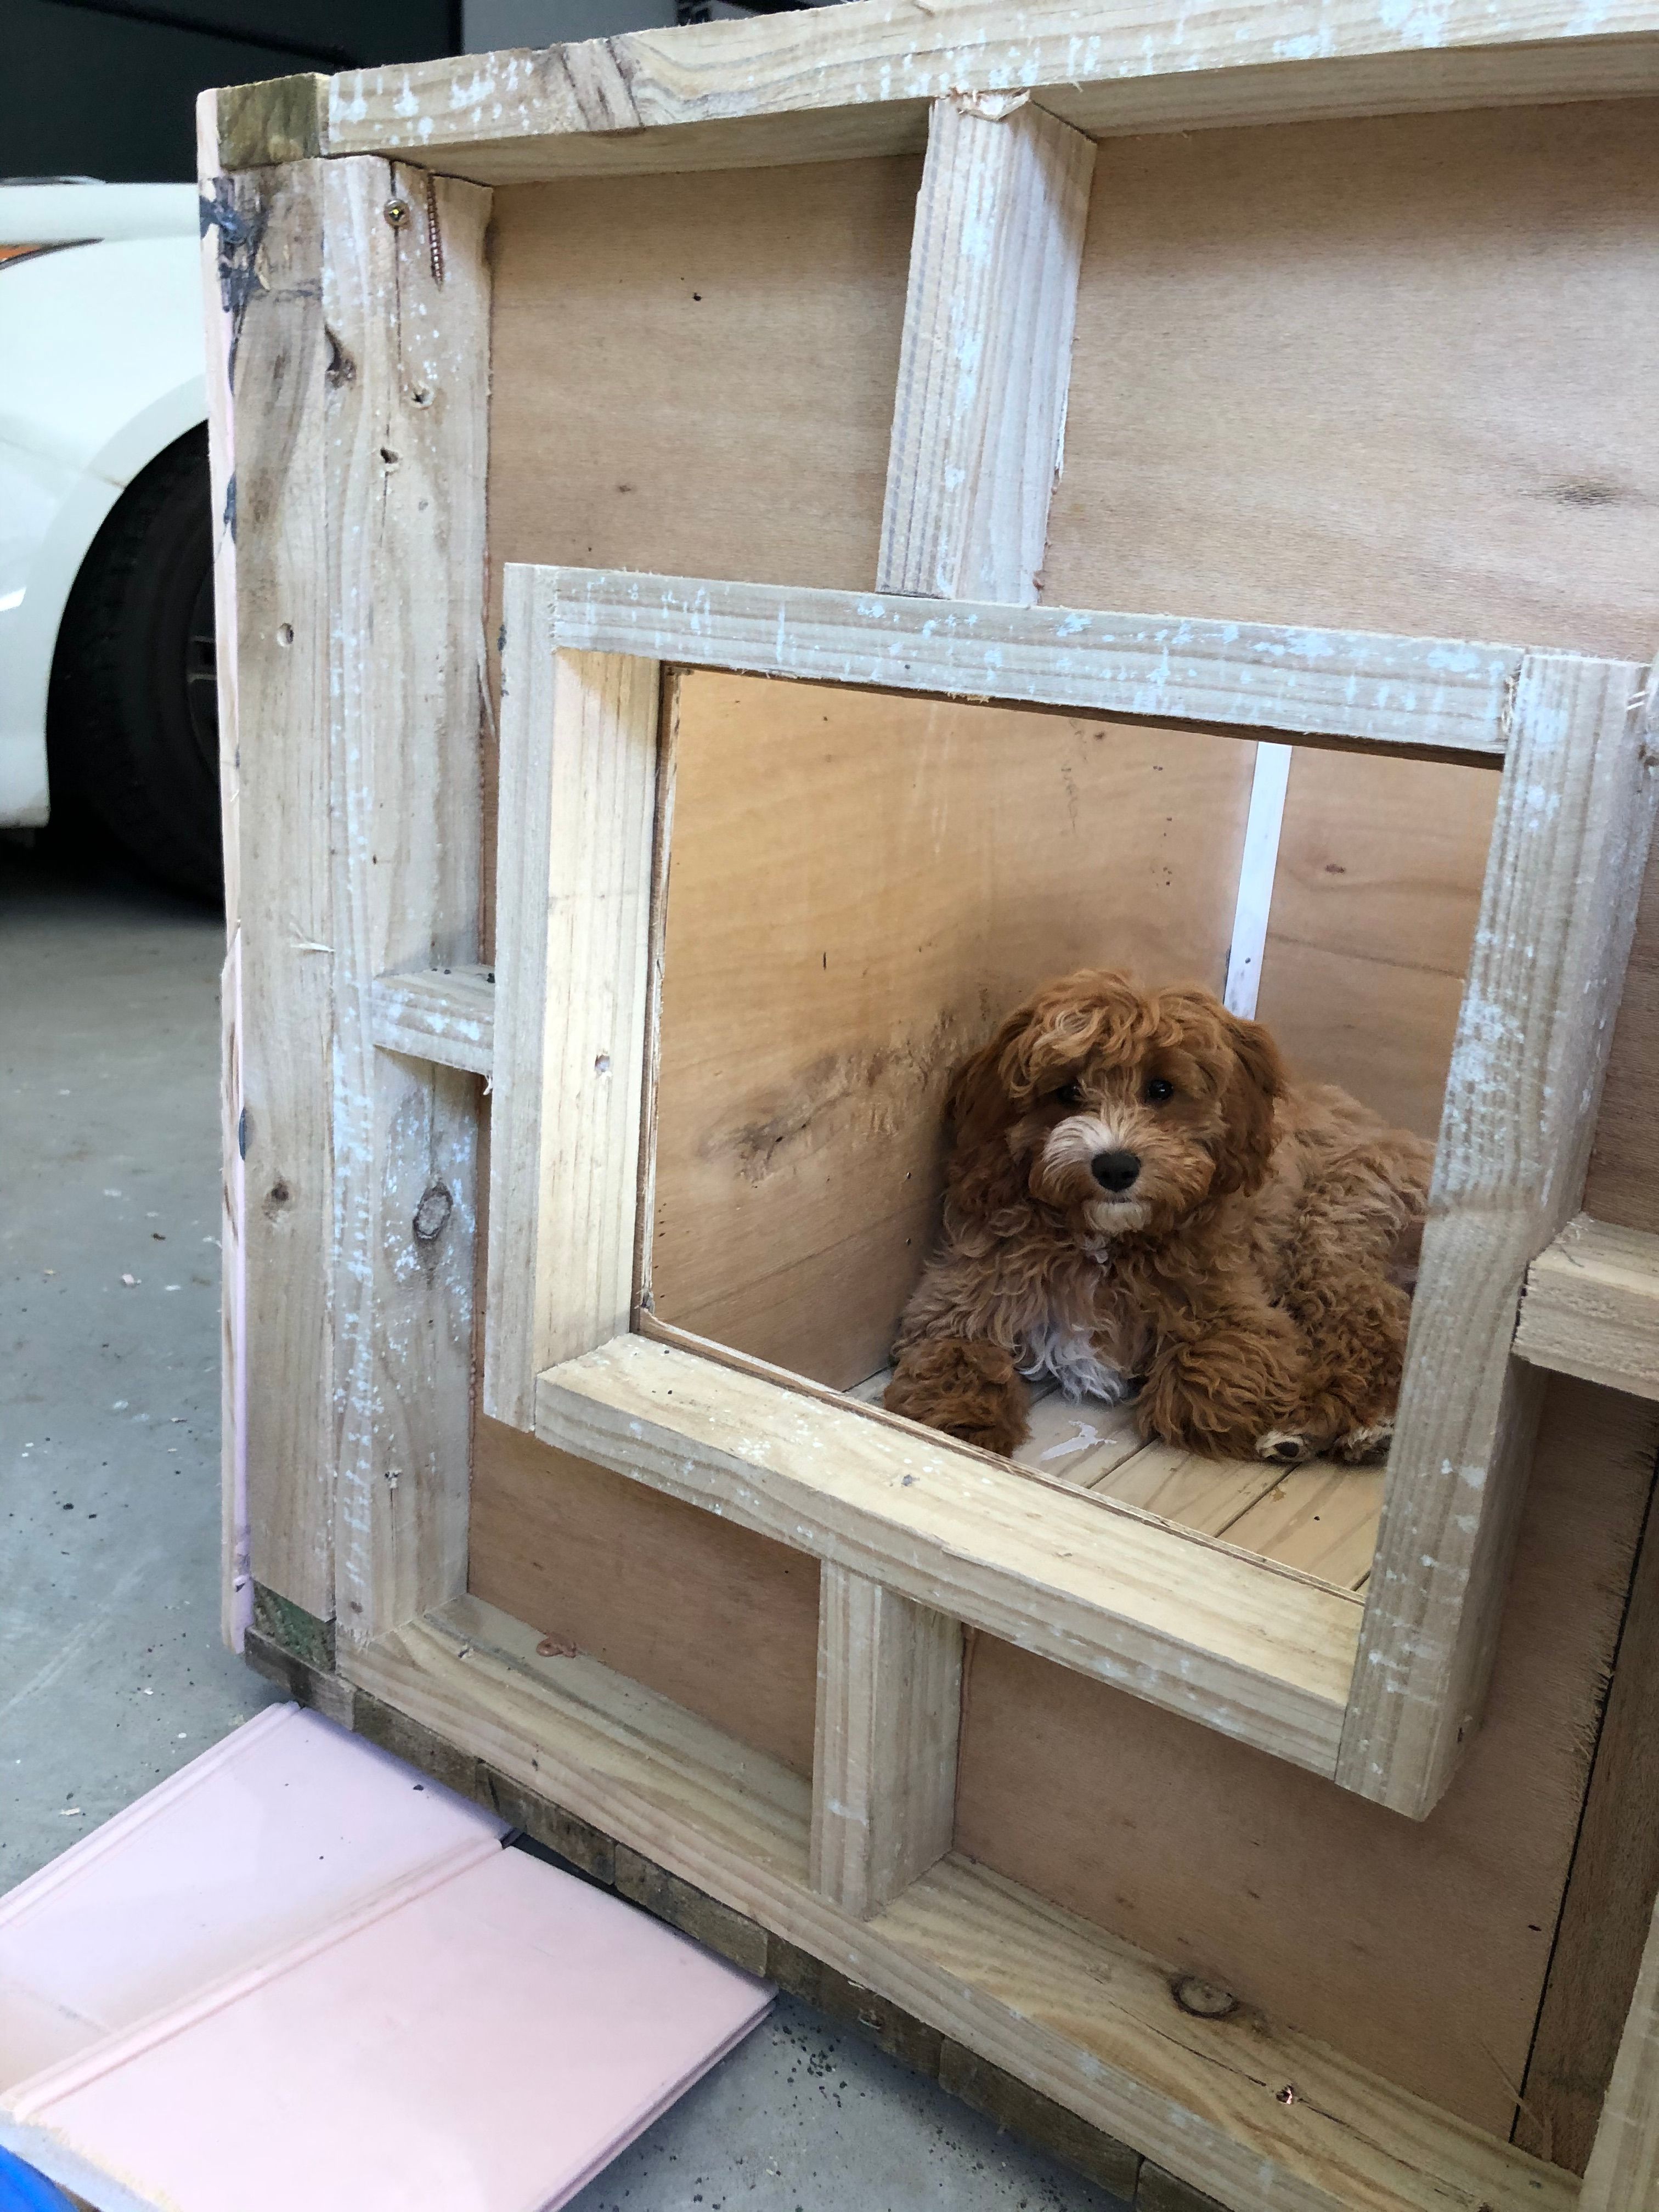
(476, 2032)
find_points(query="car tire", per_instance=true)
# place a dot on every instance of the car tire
(132, 722)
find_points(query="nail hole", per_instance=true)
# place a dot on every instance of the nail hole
(423, 397)
(284, 633)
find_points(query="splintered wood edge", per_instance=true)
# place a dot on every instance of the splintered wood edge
(1084, 2018)
(1259, 1652)
(1450, 695)
(786, 89)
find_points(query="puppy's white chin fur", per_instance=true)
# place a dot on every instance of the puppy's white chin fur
(1116, 1217)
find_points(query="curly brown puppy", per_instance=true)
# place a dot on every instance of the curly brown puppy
(1138, 1194)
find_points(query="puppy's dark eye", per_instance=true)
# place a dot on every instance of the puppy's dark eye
(1069, 1094)
(1158, 1090)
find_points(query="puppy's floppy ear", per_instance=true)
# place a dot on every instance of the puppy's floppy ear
(976, 1102)
(982, 1174)
(1257, 1078)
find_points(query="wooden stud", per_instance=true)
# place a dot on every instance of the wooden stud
(578, 802)
(1592, 1306)
(981, 412)
(1084, 2018)
(405, 289)
(1256, 1651)
(884, 1759)
(1574, 819)
(1623, 2174)
(267, 350)
(817, 87)
(1437, 694)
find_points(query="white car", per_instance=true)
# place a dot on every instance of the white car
(106, 647)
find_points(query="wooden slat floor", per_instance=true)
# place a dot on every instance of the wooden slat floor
(1320, 1517)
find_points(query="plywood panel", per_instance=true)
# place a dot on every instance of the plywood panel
(860, 888)
(719, 1619)
(1417, 1948)
(695, 374)
(1623, 1185)
(1375, 374)
(1374, 908)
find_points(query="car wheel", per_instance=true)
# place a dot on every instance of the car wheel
(133, 721)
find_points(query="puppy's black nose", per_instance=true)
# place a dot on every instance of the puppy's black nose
(1115, 1171)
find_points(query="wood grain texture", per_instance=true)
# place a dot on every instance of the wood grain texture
(1610, 1892)
(591, 1559)
(1420, 1948)
(1374, 908)
(884, 1751)
(1623, 2174)
(442, 1014)
(1253, 1649)
(572, 911)
(1089, 2021)
(408, 307)
(980, 417)
(1591, 1306)
(273, 620)
(860, 888)
(1103, 66)
(1574, 816)
(1433, 693)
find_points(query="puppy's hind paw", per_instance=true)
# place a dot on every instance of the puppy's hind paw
(1283, 1446)
(1364, 1447)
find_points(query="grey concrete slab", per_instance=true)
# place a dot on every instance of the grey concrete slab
(112, 1672)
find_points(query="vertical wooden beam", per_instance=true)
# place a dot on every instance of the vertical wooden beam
(987, 353)
(889, 1684)
(573, 915)
(1575, 816)
(267, 352)
(978, 423)
(1623, 2174)
(406, 294)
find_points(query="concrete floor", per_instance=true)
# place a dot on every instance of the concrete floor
(111, 1673)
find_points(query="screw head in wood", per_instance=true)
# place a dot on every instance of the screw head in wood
(396, 213)
(1205, 2000)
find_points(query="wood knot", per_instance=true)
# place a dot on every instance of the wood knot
(1204, 2000)
(432, 1214)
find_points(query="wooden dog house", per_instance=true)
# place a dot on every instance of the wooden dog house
(677, 492)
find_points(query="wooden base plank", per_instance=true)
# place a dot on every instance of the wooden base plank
(1086, 2020)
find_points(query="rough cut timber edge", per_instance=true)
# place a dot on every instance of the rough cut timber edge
(711, 1836)
(857, 80)
(1592, 1307)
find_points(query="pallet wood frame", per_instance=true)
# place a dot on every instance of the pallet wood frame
(385, 1554)
(1407, 1671)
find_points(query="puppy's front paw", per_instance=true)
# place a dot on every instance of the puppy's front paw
(1364, 1447)
(1284, 1447)
(963, 1388)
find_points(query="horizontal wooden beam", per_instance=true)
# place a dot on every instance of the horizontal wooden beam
(1438, 694)
(446, 1015)
(831, 84)
(1087, 2021)
(1252, 1648)
(1591, 1307)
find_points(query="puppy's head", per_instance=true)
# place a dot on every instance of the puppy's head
(1120, 1107)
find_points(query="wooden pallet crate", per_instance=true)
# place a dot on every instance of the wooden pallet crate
(660, 476)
